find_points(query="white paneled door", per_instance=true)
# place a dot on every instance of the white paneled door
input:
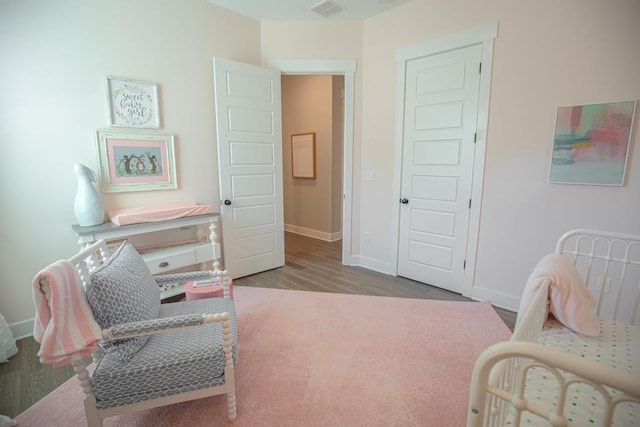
(440, 113)
(249, 134)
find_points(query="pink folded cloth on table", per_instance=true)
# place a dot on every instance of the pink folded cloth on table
(157, 212)
(570, 301)
(64, 324)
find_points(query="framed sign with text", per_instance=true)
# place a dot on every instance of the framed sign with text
(133, 103)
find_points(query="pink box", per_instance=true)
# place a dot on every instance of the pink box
(192, 292)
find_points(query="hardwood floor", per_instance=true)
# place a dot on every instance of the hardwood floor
(314, 265)
(24, 380)
(311, 265)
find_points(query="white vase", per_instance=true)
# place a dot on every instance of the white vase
(87, 206)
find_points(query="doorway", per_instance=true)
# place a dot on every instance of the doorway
(250, 162)
(345, 68)
(437, 210)
(312, 117)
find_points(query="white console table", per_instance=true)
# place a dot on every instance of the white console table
(169, 258)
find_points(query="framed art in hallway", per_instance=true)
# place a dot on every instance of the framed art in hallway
(591, 143)
(136, 162)
(133, 103)
(303, 155)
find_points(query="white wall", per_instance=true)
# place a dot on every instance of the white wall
(55, 57)
(547, 54)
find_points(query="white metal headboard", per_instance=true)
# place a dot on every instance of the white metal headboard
(609, 263)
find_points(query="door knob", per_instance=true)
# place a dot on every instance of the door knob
(404, 201)
(227, 202)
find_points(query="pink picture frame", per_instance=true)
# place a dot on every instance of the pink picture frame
(136, 162)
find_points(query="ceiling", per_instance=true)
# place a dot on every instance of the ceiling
(301, 10)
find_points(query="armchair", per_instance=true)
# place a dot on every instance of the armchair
(146, 354)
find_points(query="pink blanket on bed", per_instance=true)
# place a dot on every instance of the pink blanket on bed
(570, 301)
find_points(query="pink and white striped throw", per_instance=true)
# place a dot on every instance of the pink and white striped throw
(64, 324)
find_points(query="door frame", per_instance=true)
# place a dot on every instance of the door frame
(346, 68)
(483, 35)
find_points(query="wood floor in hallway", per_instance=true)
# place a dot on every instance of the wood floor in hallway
(316, 265)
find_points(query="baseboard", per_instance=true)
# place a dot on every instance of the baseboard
(321, 235)
(500, 299)
(22, 329)
(373, 264)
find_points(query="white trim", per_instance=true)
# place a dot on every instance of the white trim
(459, 40)
(499, 299)
(314, 66)
(482, 125)
(397, 166)
(483, 35)
(347, 68)
(316, 234)
(374, 264)
(22, 329)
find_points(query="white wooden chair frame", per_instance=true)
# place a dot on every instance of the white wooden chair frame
(89, 259)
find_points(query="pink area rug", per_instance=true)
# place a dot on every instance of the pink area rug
(321, 359)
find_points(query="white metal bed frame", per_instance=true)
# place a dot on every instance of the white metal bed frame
(609, 263)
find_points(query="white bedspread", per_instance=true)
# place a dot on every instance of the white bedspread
(617, 345)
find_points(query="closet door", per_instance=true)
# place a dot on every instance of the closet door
(440, 114)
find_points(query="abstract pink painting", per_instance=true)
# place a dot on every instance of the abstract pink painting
(591, 143)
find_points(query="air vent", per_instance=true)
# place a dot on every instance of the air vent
(327, 8)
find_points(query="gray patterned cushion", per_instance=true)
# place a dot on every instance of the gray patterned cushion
(170, 363)
(156, 325)
(123, 290)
